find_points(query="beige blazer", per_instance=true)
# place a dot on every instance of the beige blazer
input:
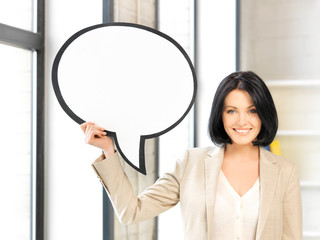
(193, 182)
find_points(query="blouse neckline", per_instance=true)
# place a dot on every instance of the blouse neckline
(233, 192)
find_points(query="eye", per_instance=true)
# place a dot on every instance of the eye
(252, 111)
(231, 111)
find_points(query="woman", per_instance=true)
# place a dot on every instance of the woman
(237, 190)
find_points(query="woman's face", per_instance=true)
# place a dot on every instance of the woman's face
(240, 119)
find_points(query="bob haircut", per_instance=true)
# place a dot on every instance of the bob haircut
(262, 99)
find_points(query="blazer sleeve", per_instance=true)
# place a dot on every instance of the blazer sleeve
(292, 209)
(130, 208)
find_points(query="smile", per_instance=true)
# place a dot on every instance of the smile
(242, 131)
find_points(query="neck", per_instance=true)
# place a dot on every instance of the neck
(242, 151)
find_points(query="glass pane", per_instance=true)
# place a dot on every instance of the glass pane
(16, 13)
(15, 142)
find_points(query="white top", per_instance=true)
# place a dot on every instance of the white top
(235, 217)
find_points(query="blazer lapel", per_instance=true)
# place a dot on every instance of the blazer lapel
(269, 171)
(212, 168)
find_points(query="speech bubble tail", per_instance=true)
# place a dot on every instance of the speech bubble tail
(142, 160)
(135, 159)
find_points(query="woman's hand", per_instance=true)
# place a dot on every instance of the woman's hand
(95, 136)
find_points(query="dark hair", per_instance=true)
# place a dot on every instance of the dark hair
(262, 99)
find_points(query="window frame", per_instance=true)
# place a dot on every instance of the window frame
(107, 212)
(34, 41)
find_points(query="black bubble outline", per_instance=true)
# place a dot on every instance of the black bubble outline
(77, 119)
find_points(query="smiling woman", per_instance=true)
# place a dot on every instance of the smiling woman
(240, 118)
(262, 189)
(252, 94)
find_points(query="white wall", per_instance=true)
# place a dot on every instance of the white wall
(280, 39)
(73, 193)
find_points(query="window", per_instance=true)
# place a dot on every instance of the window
(15, 171)
(17, 13)
(21, 100)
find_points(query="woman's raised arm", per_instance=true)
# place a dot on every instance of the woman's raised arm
(96, 136)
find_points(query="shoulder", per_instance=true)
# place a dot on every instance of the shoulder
(284, 170)
(284, 164)
(197, 156)
(202, 152)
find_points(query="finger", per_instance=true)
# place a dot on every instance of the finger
(98, 133)
(92, 135)
(89, 136)
(93, 126)
(94, 132)
(101, 128)
(84, 126)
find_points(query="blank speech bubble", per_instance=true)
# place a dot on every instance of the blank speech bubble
(134, 81)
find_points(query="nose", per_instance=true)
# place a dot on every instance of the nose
(242, 121)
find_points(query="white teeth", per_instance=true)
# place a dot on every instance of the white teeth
(242, 131)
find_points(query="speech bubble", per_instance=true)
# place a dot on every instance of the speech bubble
(134, 81)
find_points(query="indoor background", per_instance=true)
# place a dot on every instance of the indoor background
(49, 190)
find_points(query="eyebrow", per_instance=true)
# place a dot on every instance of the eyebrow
(236, 107)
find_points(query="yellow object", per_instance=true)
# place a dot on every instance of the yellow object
(275, 147)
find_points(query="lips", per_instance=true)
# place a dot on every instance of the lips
(242, 131)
